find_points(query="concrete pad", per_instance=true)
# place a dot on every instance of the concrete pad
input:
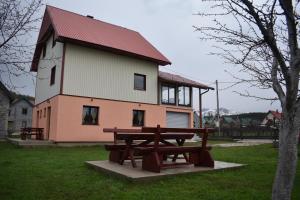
(137, 174)
(30, 143)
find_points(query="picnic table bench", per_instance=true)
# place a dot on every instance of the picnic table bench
(155, 148)
(29, 131)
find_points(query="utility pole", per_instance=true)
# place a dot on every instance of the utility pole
(218, 108)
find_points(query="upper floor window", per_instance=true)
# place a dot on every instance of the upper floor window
(44, 50)
(52, 76)
(184, 96)
(90, 115)
(24, 111)
(167, 94)
(139, 82)
(53, 41)
(138, 118)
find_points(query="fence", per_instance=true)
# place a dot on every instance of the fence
(253, 132)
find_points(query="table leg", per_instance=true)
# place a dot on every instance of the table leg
(128, 153)
(180, 142)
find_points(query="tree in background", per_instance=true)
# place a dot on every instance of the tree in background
(18, 21)
(262, 37)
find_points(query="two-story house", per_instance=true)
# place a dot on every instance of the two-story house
(93, 75)
(20, 114)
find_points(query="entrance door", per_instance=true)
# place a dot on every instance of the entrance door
(48, 123)
(178, 120)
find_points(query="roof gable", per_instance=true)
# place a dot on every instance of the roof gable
(71, 27)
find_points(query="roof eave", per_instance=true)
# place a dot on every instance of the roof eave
(113, 50)
(186, 84)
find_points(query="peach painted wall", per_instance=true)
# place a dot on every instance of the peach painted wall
(66, 117)
(41, 121)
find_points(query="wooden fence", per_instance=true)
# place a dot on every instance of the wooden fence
(253, 132)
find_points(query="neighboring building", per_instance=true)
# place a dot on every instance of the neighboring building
(93, 75)
(272, 118)
(20, 114)
(5, 99)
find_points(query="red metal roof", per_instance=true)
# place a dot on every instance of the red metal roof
(276, 114)
(173, 78)
(72, 27)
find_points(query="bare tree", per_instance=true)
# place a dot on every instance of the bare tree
(18, 21)
(262, 37)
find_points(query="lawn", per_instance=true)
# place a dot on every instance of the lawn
(60, 173)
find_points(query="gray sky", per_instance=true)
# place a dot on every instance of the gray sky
(167, 24)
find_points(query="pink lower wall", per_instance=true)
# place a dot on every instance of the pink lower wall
(66, 117)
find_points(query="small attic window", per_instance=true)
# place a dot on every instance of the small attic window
(44, 50)
(90, 16)
(53, 41)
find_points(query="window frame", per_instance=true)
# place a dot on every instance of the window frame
(98, 118)
(24, 111)
(52, 75)
(175, 92)
(190, 95)
(144, 85)
(53, 41)
(44, 50)
(135, 110)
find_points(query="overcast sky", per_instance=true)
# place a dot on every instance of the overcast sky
(167, 24)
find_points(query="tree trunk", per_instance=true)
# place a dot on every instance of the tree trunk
(287, 162)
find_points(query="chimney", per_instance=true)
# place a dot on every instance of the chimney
(90, 16)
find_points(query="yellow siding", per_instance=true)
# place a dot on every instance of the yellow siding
(95, 73)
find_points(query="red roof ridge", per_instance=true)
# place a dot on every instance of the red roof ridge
(91, 18)
(76, 28)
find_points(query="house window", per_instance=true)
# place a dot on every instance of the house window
(44, 50)
(138, 117)
(52, 77)
(168, 94)
(24, 111)
(53, 41)
(139, 82)
(184, 96)
(90, 115)
(24, 124)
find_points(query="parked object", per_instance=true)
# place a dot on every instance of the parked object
(27, 133)
(154, 155)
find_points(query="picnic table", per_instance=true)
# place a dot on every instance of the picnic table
(152, 144)
(29, 131)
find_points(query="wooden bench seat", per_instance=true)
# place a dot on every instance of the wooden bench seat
(170, 149)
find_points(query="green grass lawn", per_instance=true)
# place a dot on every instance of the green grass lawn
(60, 173)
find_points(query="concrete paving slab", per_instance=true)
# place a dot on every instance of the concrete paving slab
(137, 174)
(30, 143)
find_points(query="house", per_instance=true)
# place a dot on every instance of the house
(93, 75)
(272, 118)
(5, 99)
(20, 113)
